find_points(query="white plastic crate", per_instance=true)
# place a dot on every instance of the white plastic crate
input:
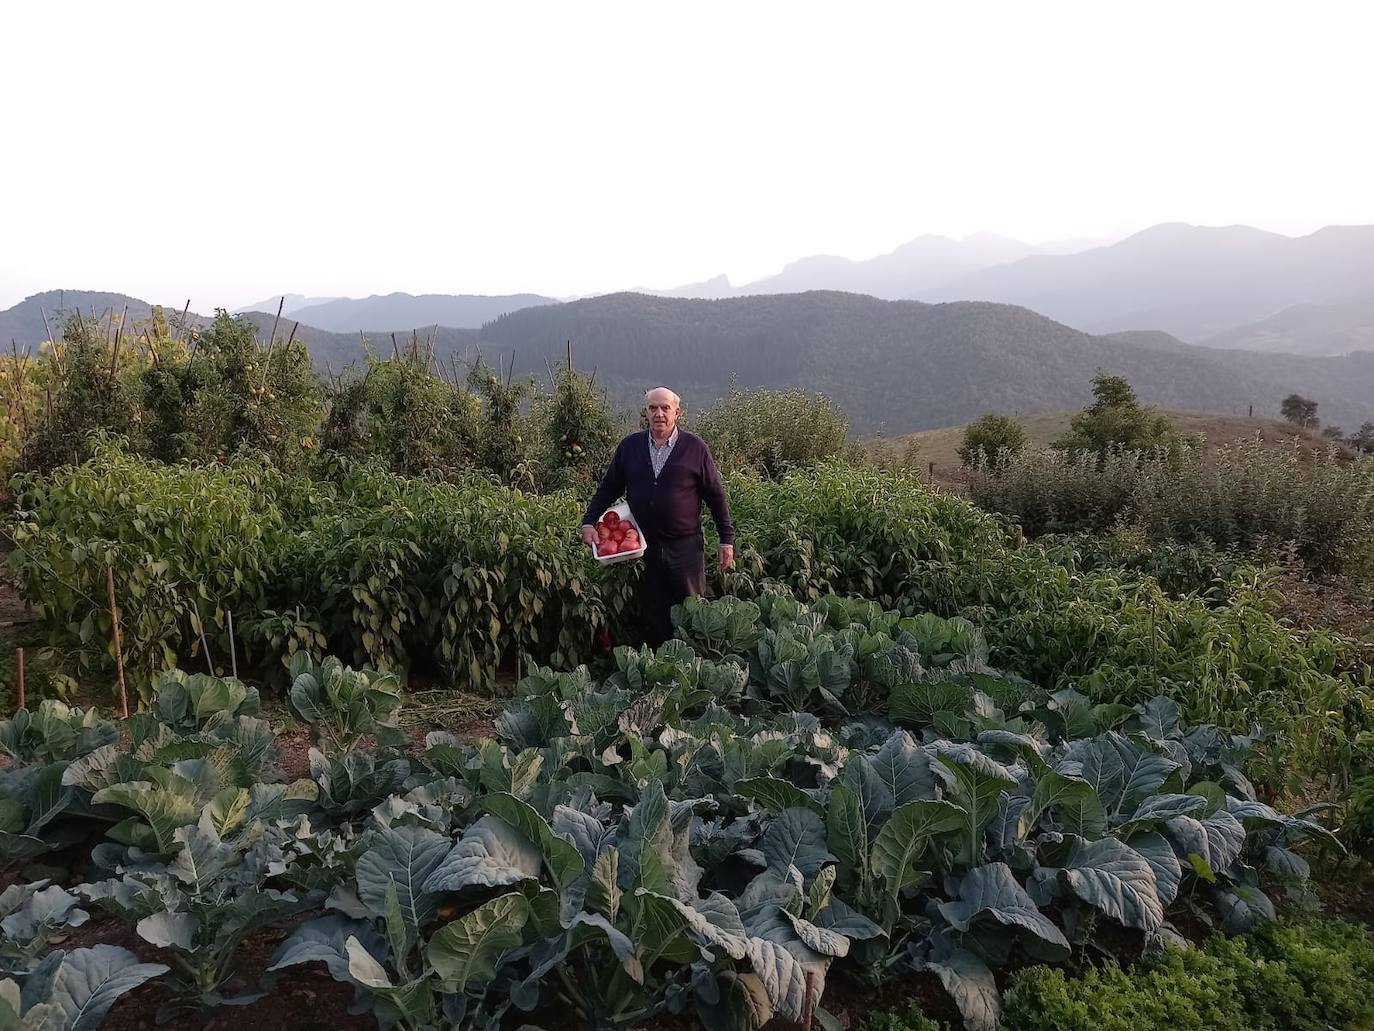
(622, 510)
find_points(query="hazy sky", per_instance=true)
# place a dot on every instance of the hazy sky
(231, 151)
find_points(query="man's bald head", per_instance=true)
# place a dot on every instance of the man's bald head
(662, 394)
(662, 406)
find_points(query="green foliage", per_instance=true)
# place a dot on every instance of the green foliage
(343, 705)
(255, 398)
(53, 732)
(88, 395)
(909, 1019)
(403, 414)
(1247, 495)
(676, 838)
(1300, 975)
(186, 545)
(991, 439)
(771, 431)
(74, 990)
(576, 431)
(506, 441)
(1116, 419)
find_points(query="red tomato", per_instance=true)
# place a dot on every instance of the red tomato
(612, 518)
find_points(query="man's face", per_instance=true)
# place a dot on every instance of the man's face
(661, 407)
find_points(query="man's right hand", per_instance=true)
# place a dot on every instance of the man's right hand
(589, 535)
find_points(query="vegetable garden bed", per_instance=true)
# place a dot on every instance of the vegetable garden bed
(787, 797)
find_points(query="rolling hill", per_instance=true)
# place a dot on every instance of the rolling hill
(1190, 281)
(1043, 428)
(1337, 327)
(23, 323)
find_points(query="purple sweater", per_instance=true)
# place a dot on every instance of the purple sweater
(668, 507)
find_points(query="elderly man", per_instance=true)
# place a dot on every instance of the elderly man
(665, 474)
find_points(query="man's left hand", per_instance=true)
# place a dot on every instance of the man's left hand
(727, 556)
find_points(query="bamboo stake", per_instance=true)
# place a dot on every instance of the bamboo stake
(57, 358)
(19, 658)
(292, 338)
(395, 350)
(119, 334)
(233, 654)
(205, 643)
(570, 354)
(119, 646)
(19, 376)
(183, 315)
(280, 305)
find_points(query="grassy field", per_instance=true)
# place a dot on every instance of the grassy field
(1042, 428)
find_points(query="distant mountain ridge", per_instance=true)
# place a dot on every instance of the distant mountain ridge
(1335, 327)
(395, 310)
(1193, 282)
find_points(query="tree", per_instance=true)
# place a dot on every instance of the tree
(1363, 440)
(1117, 419)
(1333, 432)
(992, 436)
(1300, 411)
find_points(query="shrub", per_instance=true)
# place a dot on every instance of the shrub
(771, 431)
(1247, 495)
(992, 439)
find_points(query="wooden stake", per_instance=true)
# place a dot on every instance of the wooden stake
(233, 654)
(205, 644)
(280, 305)
(292, 338)
(119, 646)
(119, 334)
(56, 357)
(19, 658)
(183, 315)
(395, 350)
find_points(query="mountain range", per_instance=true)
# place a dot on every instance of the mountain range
(393, 311)
(1198, 283)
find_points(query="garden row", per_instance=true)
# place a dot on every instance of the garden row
(463, 580)
(784, 792)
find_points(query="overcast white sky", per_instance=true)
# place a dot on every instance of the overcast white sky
(226, 152)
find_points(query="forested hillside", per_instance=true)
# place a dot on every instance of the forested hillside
(898, 366)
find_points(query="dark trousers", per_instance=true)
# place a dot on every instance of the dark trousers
(673, 570)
